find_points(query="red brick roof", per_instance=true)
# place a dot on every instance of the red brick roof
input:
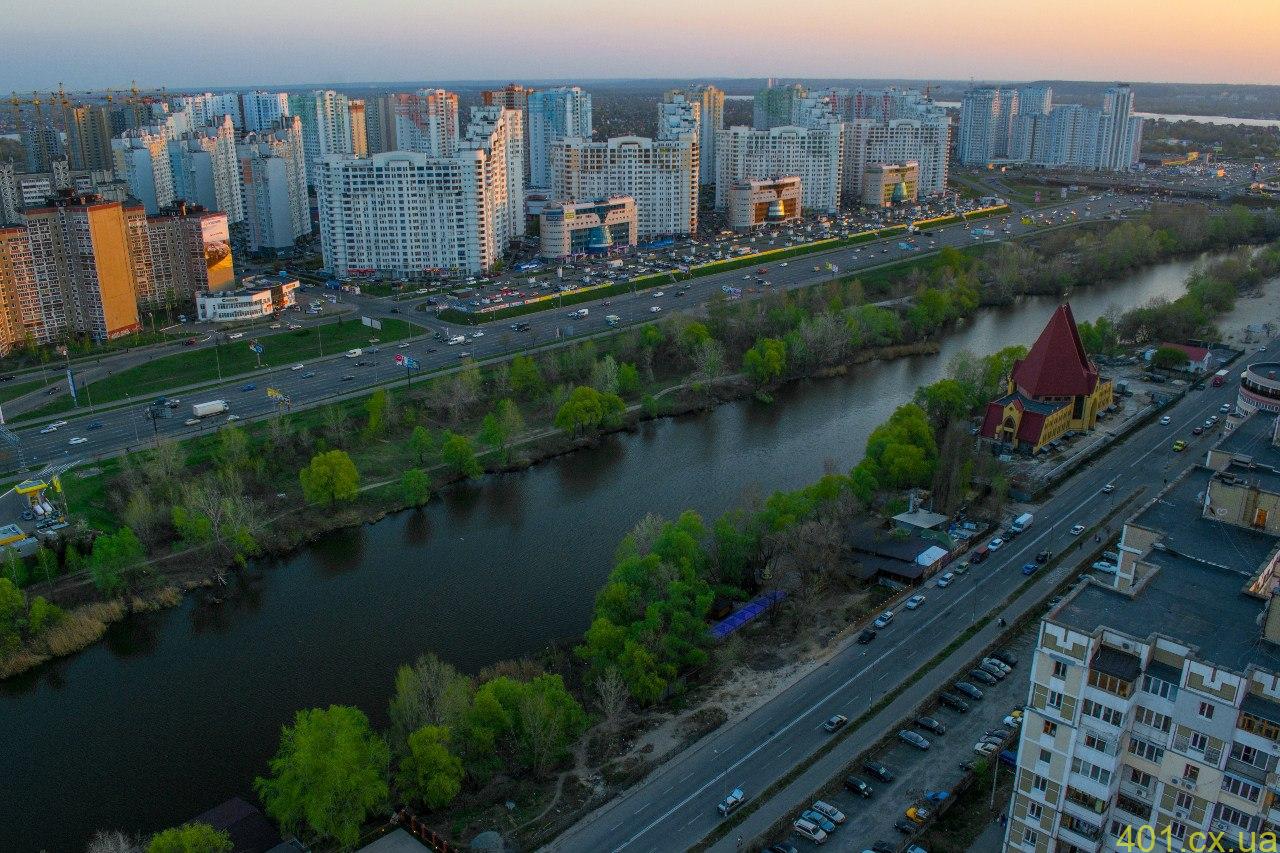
(1057, 365)
(1196, 354)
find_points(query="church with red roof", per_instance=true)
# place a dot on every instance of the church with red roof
(1056, 388)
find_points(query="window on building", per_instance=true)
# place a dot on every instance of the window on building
(1055, 699)
(1145, 749)
(1029, 838)
(1051, 729)
(1198, 742)
(1241, 788)
(1258, 726)
(1206, 710)
(1110, 684)
(1191, 772)
(1091, 771)
(1099, 711)
(1045, 756)
(1148, 717)
(1039, 783)
(1183, 800)
(1059, 669)
(1098, 742)
(1034, 810)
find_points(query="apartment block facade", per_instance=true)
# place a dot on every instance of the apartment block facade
(813, 154)
(554, 114)
(273, 180)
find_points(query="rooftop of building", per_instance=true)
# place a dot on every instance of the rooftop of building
(1176, 513)
(1056, 365)
(1266, 369)
(1251, 438)
(1028, 404)
(395, 841)
(1195, 603)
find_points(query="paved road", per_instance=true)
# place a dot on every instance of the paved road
(676, 806)
(127, 428)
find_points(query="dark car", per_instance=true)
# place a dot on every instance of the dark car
(929, 724)
(1030, 568)
(968, 689)
(883, 847)
(954, 702)
(904, 826)
(866, 636)
(1008, 657)
(983, 677)
(94, 425)
(1043, 557)
(783, 848)
(878, 771)
(8, 377)
(249, 387)
(395, 310)
(858, 786)
(363, 363)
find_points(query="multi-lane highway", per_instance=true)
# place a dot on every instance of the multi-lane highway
(326, 379)
(675, 807)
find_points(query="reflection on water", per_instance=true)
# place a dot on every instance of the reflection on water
(187, 703)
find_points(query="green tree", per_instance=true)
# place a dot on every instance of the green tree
(588, 409)
(695, 334)
(628, 379)
(42, 616)
(375, 406)
(194, 527)
(430, 772)
(1169, 358)
(765, 361)
(46, 563)
(415, 485)
(328, 775)
(12, 611)
(526, 378)
(330, 477)
(422, 442)
(459, 455)
(493, 432)
(945, 400)
(115, 559)
(15, 568)
(191, 838)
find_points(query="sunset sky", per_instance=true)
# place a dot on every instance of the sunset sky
(87, 43)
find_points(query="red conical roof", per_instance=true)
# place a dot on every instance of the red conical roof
(1057, 365)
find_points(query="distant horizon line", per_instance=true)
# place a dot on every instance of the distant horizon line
(582, 80)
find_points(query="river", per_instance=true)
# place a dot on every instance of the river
(178, 710)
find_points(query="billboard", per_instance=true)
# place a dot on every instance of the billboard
(216, 241)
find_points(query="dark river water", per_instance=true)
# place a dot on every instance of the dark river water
(179, 710)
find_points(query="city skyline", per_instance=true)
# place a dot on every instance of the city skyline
(990, 40)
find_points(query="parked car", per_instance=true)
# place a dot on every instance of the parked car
(961, 567)
(806, 829)
(1011, 722)
(914, 601)
(830, 812)
(828, 826)
(904, 826)
(982, 677)
(859, 787)
(1003, 734)
(1006, 657)
(884, 619)
(996, 741)
(835, 723)
(992, 669)
(1197, 430)
(878, 771)
(995, 544)
(946, 579)
(985, 749)
(783, 847)
(910, 737)
(968, 689)
(1043, 556)
(929, 724)
(953, 701)
(1004, 667)
(1030, 568)
(866, 636)
(918, 814)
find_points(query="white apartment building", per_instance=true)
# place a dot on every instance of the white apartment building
(209, 108)
(1119, 130)
(426, 121)
(273, 180)
(408, 213)
(142, 161)
(205, 170)
(553, 114)
(263, 109)
(981, 114)
(777, 106)
(1066, 135)
(881, 104)
(660, 174)
(710, 100)
(679, 117)
(813, 154)
(1154, 694)
(871, 142)
(326, 125)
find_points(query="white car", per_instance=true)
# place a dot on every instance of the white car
(50, 428)
(829, 811)
(58, 424)
(659, 295)
(995, 544)
(985, 749)
(232, 418)
(235, 336)
(477, 334)
(1166, 420)
(809, 830)
(191, 422)
(654, 309)
(297, 367)
(884, 619)
(914, 601)
(1077, 530)
(78, 440)
(946, 579)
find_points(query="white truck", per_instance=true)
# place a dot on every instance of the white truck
(612, 319)
(213, 407)
(1022, 522)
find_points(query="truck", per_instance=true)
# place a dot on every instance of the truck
(212, 407)
(1022, 522)
(1219, 378)
(612, 319)
(355, 353)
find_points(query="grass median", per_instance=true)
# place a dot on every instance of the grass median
(229, 360)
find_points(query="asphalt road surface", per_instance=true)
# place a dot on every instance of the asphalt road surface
(128, 428)
(675, 807)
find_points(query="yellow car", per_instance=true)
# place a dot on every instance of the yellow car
(1179, 446)
(918, 814)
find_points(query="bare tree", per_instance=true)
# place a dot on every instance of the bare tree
(105, 841)
(139, 514)
(428, 693)
(335, 423)
(611, 698)
(278, 432)
(543, 732)
(207, 499)
(708, 361)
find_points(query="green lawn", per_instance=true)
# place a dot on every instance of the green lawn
(202, 365)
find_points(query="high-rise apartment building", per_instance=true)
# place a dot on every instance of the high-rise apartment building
(208, 108)
(980, 117)
(870, 143)
(359, 141)
(777, 106)
(326, 125)
(263, 109)
(273, 180)
(553, 114)
(661, 175)
(709, 102)
(813, 154)
(411, 213)
(427, 121)
(1119, 130)
(88, 136)
(42, 144)
(205, 170)
(379, 124)
(1154, 700)
(513, 96)
(679, 117)
(20, 190)
(142, 161)
(17, 276)
(190, 252)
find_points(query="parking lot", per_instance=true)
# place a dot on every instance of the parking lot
(919, 771)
